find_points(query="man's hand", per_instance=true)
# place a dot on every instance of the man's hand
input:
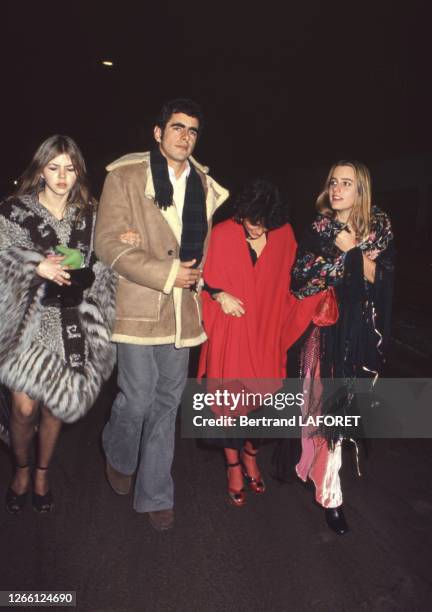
(346, 240)
(187, 276)
(230, 304)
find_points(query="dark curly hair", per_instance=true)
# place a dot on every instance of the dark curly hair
(260, 202)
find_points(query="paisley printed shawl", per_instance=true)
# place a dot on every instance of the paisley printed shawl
(320, 264)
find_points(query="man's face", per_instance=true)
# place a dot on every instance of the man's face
(178, 139)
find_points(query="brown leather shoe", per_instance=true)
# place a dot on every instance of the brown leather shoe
(161, 520)
(120, 483)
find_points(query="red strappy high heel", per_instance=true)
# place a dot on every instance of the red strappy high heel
(236, 497)
(256, 485)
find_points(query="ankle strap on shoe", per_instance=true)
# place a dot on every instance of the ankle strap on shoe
(233, 464)
(245, 450)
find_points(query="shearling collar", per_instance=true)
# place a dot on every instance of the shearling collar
(139, 158)
(219, 193)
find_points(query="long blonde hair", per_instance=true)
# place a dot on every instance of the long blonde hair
(58, 144)
(360, 216)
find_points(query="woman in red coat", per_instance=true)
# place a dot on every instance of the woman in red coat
(245, 305)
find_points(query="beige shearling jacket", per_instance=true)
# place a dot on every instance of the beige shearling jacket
(149, 309)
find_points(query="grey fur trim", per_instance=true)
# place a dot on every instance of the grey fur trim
(19, 267)
(31, 367)
(46, 378)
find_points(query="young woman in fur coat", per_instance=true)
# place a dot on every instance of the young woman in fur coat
(56, 310)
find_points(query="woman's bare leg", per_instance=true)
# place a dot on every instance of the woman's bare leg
(234, 473)
(249, 460)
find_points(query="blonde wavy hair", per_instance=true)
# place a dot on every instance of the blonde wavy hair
(360, 216)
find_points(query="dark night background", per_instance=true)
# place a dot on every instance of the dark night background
(283, 86)
(287, 89)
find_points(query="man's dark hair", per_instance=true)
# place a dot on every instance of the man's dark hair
(260, 203)
(179, 105)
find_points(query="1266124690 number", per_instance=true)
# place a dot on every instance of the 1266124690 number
(37, 598)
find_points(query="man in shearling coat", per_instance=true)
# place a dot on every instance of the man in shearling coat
(153, 226)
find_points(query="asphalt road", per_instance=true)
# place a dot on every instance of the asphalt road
(274, 554)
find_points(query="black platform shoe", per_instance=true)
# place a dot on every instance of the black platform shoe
(335, 519)
(15, 502)
(43, 503)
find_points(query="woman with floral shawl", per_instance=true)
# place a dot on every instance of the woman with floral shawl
(346, 256)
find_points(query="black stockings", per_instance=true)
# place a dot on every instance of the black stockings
(22, 428)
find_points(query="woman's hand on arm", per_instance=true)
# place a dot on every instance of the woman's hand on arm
(369, 268)
(346, 241)
(51, 269)
(230, 305)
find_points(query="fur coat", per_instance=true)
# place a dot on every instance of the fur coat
(58, 355)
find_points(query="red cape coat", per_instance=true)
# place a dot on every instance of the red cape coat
(254, 345)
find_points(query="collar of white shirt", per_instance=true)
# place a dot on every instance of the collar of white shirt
(183, 176)
(179, 188)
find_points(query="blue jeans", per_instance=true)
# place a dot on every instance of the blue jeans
(139, 436)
